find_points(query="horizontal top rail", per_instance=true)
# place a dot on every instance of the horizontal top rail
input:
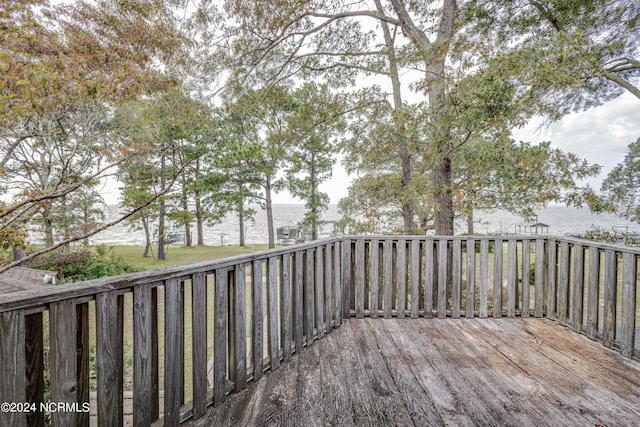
(38, 297)
(599, 245)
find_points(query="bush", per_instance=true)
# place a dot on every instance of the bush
(84, 264)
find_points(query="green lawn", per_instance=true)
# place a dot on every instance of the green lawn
(179, 255)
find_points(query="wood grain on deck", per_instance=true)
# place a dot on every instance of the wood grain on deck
(455, 372)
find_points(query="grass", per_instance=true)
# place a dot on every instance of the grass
(180, 255)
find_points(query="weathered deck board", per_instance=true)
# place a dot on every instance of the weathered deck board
(443, 371)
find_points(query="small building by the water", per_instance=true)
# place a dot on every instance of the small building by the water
(532, 229)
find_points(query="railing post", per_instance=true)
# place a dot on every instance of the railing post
(220, 337)
(298, 300)
(360, 278)
(12, 361)
(551, 278)
(539, 278)
(199, 342)
(563, 285)
(628, 315)
(578, 287)
(374, 276)
(285, 306)
(390, 296)
(471, 279)
(34, 361)
(415, 277)
(337, 283)
(526, 278)
(593, 303)
(173, 356)
(512, 277)
(256, 319)
(484, 278)
(610, 297)
(497, 278)
(428, 278)
(388, 278)
(142, 333)
(347, 271)
(456, 280)
(239, 323)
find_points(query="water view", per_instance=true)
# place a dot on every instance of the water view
(561, 220)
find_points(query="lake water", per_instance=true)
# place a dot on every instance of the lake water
(562, 220)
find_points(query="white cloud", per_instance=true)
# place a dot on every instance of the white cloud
(600, 134)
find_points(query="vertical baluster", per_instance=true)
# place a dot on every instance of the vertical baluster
(142, 333)
(428, 279)
(220, 337)
(442, 278)
(578, 287)
(628, 314)
(298, 300)
(285, 306)
(256, 320)
(328, 293)
(388, 278)
(563, 284)
(272, 313)
(539, 278)
(34, 365)
(239, 323)
(456, 279)
(610, 296)
(402, 281)
(173, 357)
(308, 297)
(360, 277)
(552, 271)
(374, 276)
(512, 277)
(497, 279)
(347, 269)
(593, 299)
(199, 342)
(109, 360)
(82, 361)
(319, 294)
(62, 321)
(337, 283)
(415, 277)
(471, 278)
(526, 278)
(12, 359)
(484, 278)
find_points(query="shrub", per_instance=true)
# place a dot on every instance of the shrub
(84, 264)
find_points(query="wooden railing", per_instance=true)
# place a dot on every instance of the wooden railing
(587, 286)
(182, 338)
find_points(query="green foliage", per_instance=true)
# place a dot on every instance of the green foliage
(621, 188)
(83, 264)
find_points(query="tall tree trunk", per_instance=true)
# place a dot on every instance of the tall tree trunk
(434, 55)
(147, 237)
(314, 198)
(48, 225)
(85, 222)
(161, 227)
(199, 221)
(470, 222)
(267, 197)
(187, 222)
(243, 243)
(409, 225)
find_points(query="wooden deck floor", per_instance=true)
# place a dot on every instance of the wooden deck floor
(430, 372)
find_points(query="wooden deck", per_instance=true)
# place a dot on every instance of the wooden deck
(455, 372)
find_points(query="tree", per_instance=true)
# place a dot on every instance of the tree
(621, 188)
(568, 55)
(63, 60)
(499, 173)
